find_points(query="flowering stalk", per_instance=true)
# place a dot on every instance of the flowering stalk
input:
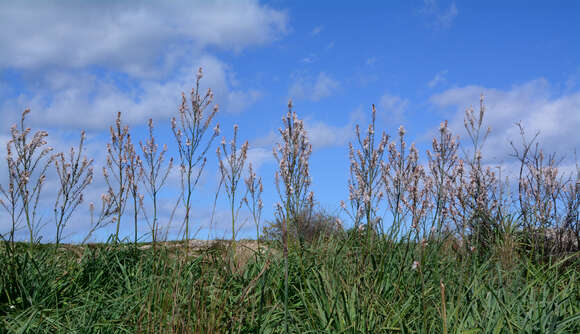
(74, 176)
(481, 181)
(441, 163)
(231, 166)
(28, 160)
(134, 175)
(292, 182)
(293, 175)
(116, 170)
(151, 167)
(542, 193)
(364, 184)
(395, 172)
(107, 210)
(418, 188)
(11, 200)
(189, 134)
(254, 188)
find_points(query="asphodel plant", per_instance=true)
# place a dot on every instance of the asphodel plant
(154, 175)
(190, 133)
(365, 184)
(116, 169)
(74, 175)
(231, 164)
(292, 182)
(28, 158)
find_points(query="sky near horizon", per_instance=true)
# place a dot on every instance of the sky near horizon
(76, 64)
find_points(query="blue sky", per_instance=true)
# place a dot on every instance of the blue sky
(421, 62)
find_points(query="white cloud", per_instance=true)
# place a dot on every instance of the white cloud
(239, 100)
(442, 18)
(325, 86)
(80, 99)
(323, 135)
(556, 116)
(258, 156)
(446, 18)
(134, 37)
(314, 89)
(393, 107)
(81, 63)
(438, 79)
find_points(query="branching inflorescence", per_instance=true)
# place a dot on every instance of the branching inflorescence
(231, 165)
(28, 160)
(365, 185)
(293, 174)
(154, 175)
(116, 170)
(189, 132)
(253, 199)
(74, 175)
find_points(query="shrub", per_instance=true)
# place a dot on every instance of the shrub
(309, 226)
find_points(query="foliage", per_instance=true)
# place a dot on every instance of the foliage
(99, 288)
(310, 226)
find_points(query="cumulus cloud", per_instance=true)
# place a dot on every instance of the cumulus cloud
(129, 37)
(313, 89)
(82, 99)
(81, 62)
(534, 104)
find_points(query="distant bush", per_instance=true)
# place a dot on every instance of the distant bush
(308, 227)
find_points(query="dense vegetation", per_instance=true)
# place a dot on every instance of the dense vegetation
(439, 245)
(338, 285)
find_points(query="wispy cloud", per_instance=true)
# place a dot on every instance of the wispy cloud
(441, 18)
(438, 79)
(317, 30)
(393, 107)
(314, 89)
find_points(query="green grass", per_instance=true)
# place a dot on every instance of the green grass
(335, 286)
